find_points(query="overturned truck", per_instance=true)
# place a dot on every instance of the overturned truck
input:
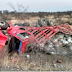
(22, 37)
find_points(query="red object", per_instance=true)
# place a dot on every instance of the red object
(59, 61)
(15, 59)
(0, 28)
(3, 39)
(65, 28)
(36, 34)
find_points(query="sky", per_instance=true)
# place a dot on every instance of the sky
(38, 5)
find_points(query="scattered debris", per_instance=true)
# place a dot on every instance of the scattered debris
(54, 65)
(61, 66)
(15, 59)
(59, 61)
(28, 56)
(70, 48)
(39, 37)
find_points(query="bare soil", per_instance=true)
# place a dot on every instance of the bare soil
(38, 61)
(35, 61)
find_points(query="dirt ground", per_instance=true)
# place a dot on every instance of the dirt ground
(34, 61)
(32, 20)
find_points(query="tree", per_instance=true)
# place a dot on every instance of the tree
(6, 12)
(20, 13)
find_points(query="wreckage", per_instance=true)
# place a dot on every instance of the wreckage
(21, 36)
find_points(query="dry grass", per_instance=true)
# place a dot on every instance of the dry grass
(32, 20)
(37, 61)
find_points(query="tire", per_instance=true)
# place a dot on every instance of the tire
(50, 22)
(4, 25)
(36, 26)
(19, 24)
(26, 24)
(42, 22)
